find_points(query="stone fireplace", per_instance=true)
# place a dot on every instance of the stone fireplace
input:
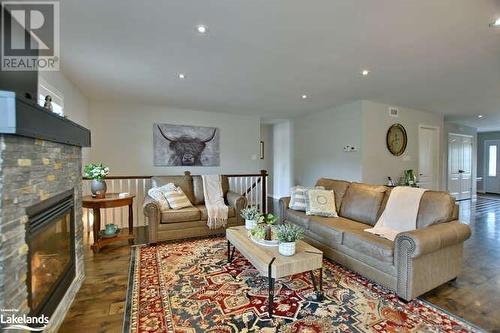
(41, 229)
(33, 172)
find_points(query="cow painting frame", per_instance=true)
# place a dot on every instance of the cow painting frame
(185, 146)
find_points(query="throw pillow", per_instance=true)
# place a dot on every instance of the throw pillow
(176, 198)
(321, 203)
(158, 196)
(298, 197)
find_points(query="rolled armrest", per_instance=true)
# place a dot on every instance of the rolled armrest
(149, 205)
(284, 203)
(151, 210)
(237, 201)
(426, 240)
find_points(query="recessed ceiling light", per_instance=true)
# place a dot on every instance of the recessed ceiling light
(495, 24)
(202, 29)
(365, 72)
(181, 76)
(480, 116)
(304, 96)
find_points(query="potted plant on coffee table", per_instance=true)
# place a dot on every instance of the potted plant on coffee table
(251, 216)
(97, 172)
(287, 235)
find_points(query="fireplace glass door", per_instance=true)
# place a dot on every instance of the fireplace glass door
(50, 255)
(50, 235)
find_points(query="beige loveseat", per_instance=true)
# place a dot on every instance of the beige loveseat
(191, 221)
(416, 262)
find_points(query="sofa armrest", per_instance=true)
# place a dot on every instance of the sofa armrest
(430, 239)
(237, 201)
(151, 210)
(284, 203)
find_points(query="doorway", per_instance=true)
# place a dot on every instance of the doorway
(460, 166)
(428, 157)
(492, 161)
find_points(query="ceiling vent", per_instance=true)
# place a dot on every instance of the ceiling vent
(393, 112)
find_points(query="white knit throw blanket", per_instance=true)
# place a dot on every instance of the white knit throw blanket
(400, 213)
(214, 201)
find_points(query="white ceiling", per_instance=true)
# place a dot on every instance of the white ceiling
(260, 56)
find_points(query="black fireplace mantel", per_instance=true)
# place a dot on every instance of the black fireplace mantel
(19, 116)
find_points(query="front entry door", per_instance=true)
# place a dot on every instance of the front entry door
(492, 163)
(460, 166)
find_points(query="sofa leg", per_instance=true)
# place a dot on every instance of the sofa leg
(454, 279)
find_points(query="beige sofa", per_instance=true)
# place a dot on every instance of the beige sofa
(191, 221)
(416, 262)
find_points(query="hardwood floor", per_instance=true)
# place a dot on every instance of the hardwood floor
(474, 296)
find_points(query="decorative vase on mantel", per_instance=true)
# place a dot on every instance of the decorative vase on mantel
(98, 188)
(97, 172)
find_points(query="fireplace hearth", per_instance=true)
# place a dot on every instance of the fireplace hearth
(50, 235)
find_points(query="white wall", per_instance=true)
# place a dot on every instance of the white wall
(320, 138)
(378, 162)
(266, 135)
(76, 104)
(282, 158)
(123, 138)
(319, 141)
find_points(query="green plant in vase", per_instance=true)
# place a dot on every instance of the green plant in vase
(288, 234)
(97, 172)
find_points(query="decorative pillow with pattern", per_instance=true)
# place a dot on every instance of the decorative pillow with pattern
(176, 198)
(298, 197)
(321, 203)
(160, 199)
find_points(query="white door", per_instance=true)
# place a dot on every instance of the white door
(428, 157)
(460, 166)
(492, 163)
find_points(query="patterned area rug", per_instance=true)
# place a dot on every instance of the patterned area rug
(190, 287)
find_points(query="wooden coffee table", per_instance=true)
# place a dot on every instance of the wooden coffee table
(270, 263)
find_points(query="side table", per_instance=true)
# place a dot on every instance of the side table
(111, 200)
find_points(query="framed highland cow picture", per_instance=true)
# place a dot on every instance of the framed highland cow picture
(179, 145)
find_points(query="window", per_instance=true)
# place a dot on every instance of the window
(45, 89)
(492, 163)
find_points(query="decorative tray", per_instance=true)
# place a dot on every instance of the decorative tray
(103, 235)
(264, 242)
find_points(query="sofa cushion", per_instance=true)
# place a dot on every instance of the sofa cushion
(297, 217)
(321, 203)
(339, 187)
(362, 202)
(329, 230)
(435, 207)
(204, 214)
(176, 198)
(372, 245)
(180, 215)
(185, 182)
(298, 197)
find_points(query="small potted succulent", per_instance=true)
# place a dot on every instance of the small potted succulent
(268, 220)
(97, 172)
(287, 235)
(251, 216)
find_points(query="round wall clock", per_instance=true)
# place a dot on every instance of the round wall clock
(396, 139)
